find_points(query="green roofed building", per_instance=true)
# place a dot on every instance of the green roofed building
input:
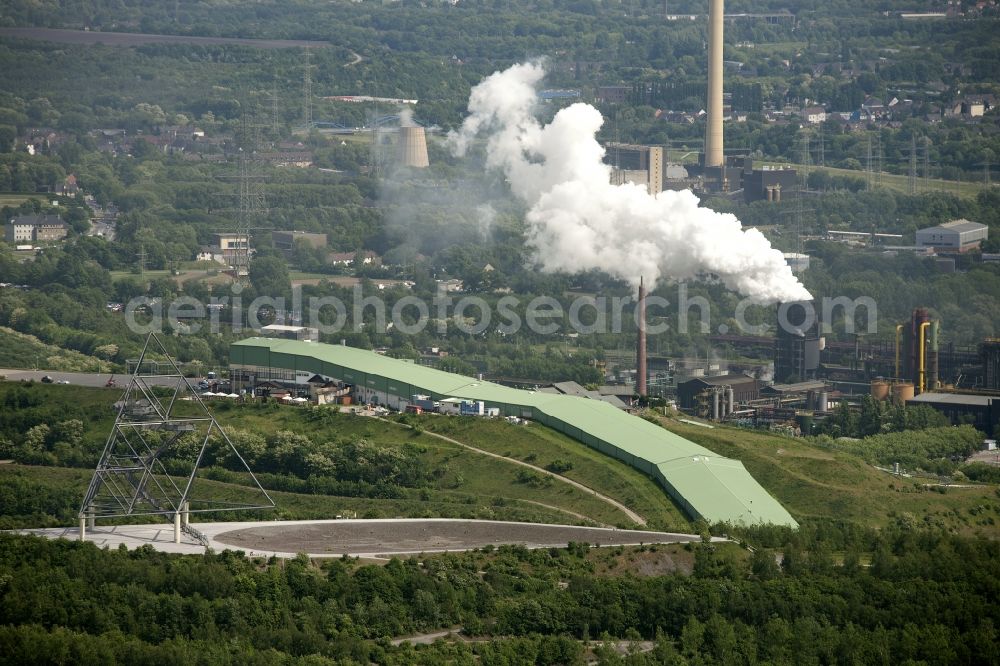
(706, 485)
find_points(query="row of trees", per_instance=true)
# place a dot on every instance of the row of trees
(939, 450)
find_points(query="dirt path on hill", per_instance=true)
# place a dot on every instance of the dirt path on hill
(632, 515)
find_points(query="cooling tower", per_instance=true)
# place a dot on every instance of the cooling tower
(713, 132)
(412, 147)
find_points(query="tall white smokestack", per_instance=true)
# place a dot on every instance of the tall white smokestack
(713, 133)
(640, 351)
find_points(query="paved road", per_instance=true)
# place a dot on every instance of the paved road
(66, 36)
(102, 229)
(79, 378)
(361, 538)
(429, 638)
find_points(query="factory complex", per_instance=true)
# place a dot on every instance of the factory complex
(707, 486)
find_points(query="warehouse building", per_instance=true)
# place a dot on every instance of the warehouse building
(954, 236)
(982, 411)
(707, 486)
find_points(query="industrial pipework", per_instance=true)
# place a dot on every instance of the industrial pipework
(923, 354)
(899, 338)
(932, 357)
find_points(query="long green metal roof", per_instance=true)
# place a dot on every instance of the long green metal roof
(707, 485)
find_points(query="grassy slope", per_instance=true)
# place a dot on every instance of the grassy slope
(486, 478)
(73, 482)
(813, 483)
(473, 484)
(18, 350)
(816, 484)
(541, 446)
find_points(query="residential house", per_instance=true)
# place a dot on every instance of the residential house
(970, 106)
(235, 249)
(69, 187)
(873, 109)
(298, 159)
(368, 258)
(814, 115)
(26, 229)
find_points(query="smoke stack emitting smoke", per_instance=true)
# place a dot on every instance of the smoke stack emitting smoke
(578, 220)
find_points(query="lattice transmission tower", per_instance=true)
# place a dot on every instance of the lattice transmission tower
(162, 435)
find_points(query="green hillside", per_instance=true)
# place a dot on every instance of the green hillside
(18, 350)
(457, 482)
(816, 485)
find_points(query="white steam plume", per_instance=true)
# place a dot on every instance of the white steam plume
(406, 117)
(578, 220)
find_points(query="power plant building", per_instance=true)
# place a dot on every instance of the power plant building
(642, 165)
(990, 353)
(797, 344)
(707, 486)
(768, 183)
(715, 397)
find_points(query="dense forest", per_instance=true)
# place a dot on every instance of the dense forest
(817, 596)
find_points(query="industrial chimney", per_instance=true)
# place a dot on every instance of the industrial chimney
(412, 147)
(713, 132)
(640, 352)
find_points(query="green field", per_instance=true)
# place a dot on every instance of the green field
(895, 182)
(305, 275)
(204, 271)
(12, 199)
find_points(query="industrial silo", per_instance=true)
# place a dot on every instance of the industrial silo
(880, 389)
(902, 392)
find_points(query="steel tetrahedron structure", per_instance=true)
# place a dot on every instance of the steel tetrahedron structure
(162, 436)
